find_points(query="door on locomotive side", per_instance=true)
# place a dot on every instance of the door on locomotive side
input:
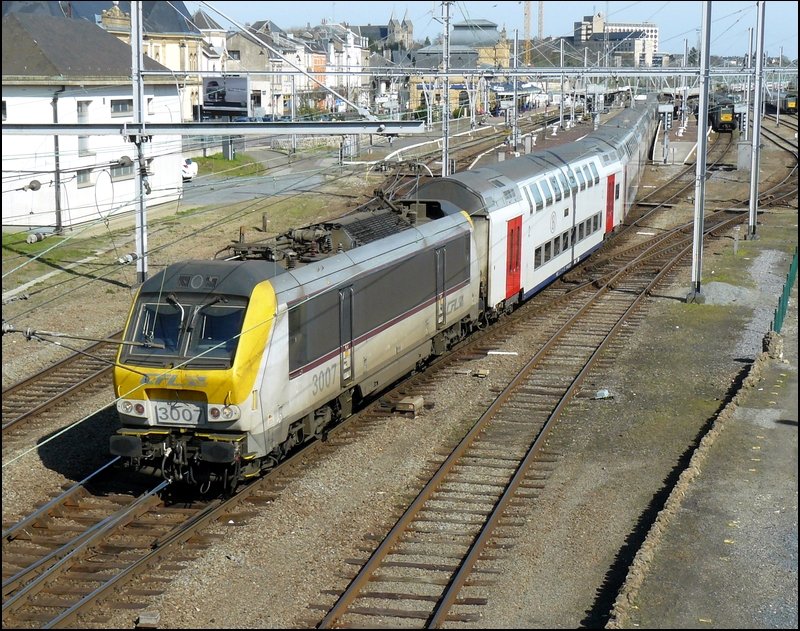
(346, 335)
(610, 202)
(441, 289)
(513, 256)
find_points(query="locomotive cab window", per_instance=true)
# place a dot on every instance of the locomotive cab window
(187, 329)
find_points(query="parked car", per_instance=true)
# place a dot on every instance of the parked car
(189, 169)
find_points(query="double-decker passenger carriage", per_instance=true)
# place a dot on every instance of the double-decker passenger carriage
(229, 365)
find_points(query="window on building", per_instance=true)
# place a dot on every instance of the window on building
(84, 178)
(121, 107)
(122, 173)
(236, 55)
(83, 141)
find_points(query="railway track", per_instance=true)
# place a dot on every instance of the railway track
(38, 396)
(464, 517)
(89, 543)
(55, 591)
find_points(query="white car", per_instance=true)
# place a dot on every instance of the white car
(188, 169)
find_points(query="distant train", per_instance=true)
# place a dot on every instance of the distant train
(785, 102)
(721, 113)
(228, 365)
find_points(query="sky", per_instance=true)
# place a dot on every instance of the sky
(677, 20)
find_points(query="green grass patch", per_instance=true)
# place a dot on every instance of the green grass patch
(241, 166)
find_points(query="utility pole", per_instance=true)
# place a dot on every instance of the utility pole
(746, 122)
(527, 32)
(751, 229)
(446, 106)
(695, 294)
(561, 105)
(138, 139)
(778, 91)
(515, 119)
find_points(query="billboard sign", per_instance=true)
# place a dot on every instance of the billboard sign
(226, 95)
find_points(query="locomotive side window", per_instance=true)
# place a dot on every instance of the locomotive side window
(556, 187)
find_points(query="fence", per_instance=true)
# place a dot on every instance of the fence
(783, 302)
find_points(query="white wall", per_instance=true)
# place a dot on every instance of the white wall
(29, 157)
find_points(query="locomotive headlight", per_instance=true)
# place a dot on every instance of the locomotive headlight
(223, 412)
(133, 408)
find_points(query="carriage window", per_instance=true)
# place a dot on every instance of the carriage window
(595, 173)
(556, 246)
(580, 231)
(537, 196)
(548, 196)
(572, 181)
(588, 175)
(596, 222)
(564, 184)
(566, 211)
(537, 258)
(556, 187)
(581, 179)
(565, 241)
(547, 251)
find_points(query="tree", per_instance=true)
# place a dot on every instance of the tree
(694, 57)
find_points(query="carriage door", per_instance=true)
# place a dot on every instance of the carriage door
(441, 289)
(610, 203)
(513, 256)
(346, 335)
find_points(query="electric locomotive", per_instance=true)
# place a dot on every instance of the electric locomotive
(230, 364)
(721, 113)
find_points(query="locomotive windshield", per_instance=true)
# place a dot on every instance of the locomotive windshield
(184, 331)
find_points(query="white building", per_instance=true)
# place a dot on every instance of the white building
(61, 181)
